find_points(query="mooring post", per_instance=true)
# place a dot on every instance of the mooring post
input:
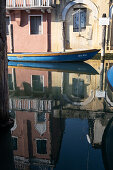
(102, 53)
(4, 104)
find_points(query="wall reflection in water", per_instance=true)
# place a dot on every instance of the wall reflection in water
(36, 139)
(41, 102)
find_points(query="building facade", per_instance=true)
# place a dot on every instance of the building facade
(77, 24)
(49, 25)
(31, 25)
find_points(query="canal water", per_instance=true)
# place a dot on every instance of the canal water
(62, 116)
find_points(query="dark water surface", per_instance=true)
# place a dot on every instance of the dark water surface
(76, 152)
(63, 117)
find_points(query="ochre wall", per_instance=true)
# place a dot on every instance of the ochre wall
(90, 37)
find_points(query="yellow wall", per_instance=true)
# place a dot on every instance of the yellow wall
(90, 37)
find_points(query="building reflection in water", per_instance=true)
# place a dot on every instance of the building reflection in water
(36, 139)
(40, 101)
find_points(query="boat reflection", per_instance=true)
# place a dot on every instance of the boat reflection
(76, 67)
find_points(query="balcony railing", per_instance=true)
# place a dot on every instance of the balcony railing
(30, 104)
(27, 3)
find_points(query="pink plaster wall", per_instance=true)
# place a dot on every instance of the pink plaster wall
(23, 41)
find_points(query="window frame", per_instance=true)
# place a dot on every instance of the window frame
(81, 28)
(30, 25)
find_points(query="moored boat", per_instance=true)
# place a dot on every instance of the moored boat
(109, 77)
(53, 57)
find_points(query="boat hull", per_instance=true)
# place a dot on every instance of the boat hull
(53, 57)
(110, 77)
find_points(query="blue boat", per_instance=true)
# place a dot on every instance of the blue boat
(109, 77)
(75, 67)
(53, 57)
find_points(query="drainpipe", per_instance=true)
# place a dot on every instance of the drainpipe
(63, 36)
(11, 38)
(103, 40)
(102, 54)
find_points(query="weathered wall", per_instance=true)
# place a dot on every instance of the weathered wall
(89, 37)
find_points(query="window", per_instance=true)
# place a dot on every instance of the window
(7, 24)
(10, 82)
(41, 146)
(41, 117)
(35, 25)
(14, 143)
(79, 20)
(78, 88)
(37, 83)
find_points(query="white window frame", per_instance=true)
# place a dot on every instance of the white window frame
(32, 84)
(9, 23)
(41, 24)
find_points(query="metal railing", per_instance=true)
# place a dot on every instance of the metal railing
(27, 3)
